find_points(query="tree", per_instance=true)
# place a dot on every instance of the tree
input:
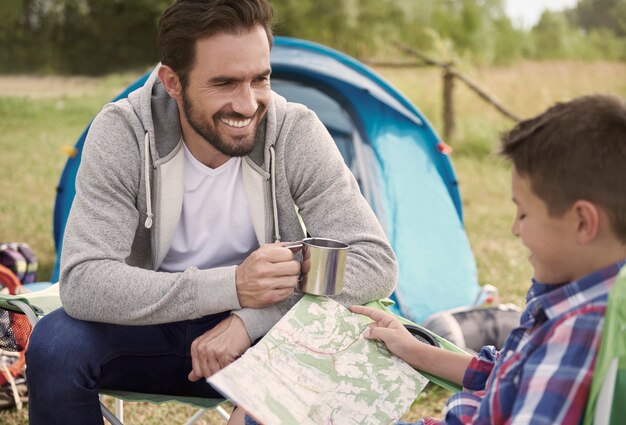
(100, 36)
(602, 14)
(552, 36)
(82, 36)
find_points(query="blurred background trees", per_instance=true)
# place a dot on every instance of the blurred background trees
(100, 36)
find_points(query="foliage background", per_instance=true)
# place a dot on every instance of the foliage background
(96, 37)
(566, 54)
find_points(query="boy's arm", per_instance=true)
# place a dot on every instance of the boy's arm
(439, 362)
(445, 364)
(556, 378)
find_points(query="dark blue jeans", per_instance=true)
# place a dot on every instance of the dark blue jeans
(69, 360)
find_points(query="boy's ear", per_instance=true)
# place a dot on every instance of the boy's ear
(588, 224)
(170, 81)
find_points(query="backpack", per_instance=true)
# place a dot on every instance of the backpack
(20, 259)
(18, 266)
(471, 328)
(15, 330)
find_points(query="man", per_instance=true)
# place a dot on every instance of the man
(172, 263)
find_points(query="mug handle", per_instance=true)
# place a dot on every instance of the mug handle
(293, 246)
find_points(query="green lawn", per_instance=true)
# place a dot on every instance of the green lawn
(39, 117)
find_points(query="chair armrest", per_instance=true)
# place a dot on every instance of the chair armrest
(40, 302)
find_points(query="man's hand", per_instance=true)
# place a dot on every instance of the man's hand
(218, 347)
(269, 275)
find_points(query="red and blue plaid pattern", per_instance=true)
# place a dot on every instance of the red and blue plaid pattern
(543, 373)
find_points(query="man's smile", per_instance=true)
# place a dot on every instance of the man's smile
(235, 123)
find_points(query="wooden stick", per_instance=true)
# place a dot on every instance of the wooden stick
(419, 55)
(449, 122)
(473, 86)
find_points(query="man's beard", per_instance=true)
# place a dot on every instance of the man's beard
(241, 146)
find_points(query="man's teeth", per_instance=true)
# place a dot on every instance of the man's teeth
(237, 124)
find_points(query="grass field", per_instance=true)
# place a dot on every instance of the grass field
(41, 116)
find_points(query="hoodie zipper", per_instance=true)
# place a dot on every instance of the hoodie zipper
(273, 205)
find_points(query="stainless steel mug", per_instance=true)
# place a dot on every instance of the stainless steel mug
(323, 265)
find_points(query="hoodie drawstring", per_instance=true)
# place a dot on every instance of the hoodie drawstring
(148, 223)
(273, 184)
(146, 141)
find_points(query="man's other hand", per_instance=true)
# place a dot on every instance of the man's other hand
(269, 275)
(218, 347)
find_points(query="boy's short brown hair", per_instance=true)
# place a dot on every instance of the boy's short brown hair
(187, 21)
(575, 150)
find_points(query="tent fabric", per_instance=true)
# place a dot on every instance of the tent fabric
(392, 151)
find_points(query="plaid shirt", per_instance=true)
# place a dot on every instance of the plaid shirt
(543, 373)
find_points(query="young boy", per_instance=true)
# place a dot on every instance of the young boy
(569, 186)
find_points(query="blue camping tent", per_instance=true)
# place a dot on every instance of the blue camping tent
(395, 156)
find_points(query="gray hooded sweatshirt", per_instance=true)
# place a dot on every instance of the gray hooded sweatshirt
(129, 193)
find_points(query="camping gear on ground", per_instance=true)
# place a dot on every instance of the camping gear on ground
(9, 281)
(13, 390)
(20, 259)
(14, 331)
(396, 157)
(323, 265)
(474, 327)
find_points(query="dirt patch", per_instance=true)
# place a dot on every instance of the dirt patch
(46, 87)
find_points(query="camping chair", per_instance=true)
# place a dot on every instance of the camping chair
(34, 305)
(608, 388)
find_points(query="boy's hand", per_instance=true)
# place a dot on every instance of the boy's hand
(389, 330)
(434, 360)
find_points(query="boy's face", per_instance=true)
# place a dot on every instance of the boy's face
(551, 240)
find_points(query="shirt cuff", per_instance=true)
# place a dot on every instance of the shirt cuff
(215, 290)
(479, 369)
(258, 321)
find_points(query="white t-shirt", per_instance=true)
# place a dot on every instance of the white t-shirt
(215, 228)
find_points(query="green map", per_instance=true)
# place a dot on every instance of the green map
(315, 367)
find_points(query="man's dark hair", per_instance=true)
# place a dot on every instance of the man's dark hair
(186, 21)
(575, 150)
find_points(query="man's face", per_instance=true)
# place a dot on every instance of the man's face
(228, 90)
(550, 240)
